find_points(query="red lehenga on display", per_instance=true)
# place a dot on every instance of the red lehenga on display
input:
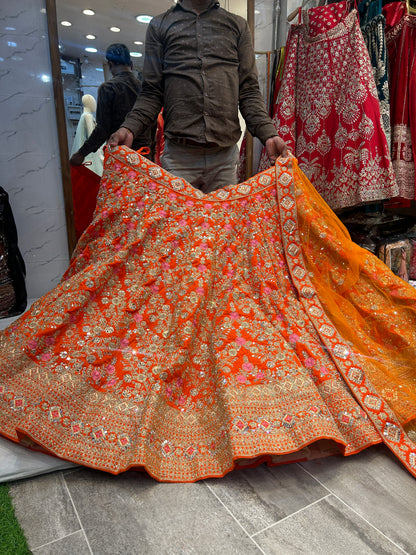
(194, 333)
(401, 48)
(85, 186)
(328, 110)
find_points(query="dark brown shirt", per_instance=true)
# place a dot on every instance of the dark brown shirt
(115, 99)
(200, 69)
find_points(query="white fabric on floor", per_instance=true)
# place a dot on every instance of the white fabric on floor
(17, 462)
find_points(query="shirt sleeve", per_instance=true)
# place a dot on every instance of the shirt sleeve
(251, 103)
(150, 101)
(102, 130)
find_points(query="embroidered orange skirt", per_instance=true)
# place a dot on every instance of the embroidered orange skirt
(196, 333)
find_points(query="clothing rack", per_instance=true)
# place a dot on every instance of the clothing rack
(269, 54)
(304, 5)
(293, 14)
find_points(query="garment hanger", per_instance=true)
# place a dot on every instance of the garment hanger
(297, 11)
(293, 14)
(411, 7)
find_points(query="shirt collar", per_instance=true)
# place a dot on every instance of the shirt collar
(187, 6)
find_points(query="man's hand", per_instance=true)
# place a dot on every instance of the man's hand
(122, 136)
(275, 147)
(76, 159)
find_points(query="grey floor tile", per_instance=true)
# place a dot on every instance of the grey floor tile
(134, 514)
(261, 496)
(378, 487)
(44, 509)
(75, 544)
(327, 527)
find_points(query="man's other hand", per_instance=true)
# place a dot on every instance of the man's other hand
(76, 159)
(122, 136)
(275, 147)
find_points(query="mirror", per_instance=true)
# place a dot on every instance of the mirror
(78, 42)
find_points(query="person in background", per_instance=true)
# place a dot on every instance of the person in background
(115, 99)
(200, 67)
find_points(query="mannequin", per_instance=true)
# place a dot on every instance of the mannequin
(85, 127)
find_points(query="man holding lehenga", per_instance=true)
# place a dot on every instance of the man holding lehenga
(200, 67)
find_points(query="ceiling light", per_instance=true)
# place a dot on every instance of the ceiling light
(88, 12)
(144, 18)
(115, 29)
(136, 54)
(90, 49)
(66, 23)
(139, 42)
(90, 37)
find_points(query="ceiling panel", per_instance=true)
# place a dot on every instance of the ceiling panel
(108, 13)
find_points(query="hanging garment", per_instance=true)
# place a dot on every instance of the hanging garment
(85, 185)
(85, 127)
(328, 110)
(242, 160)
(401, 49)
(412, 270)
(195, 333)
(13, 295)
(277, 79)
(159, 139)
(373, 25)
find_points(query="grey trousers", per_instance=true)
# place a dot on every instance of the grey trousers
(207, 169)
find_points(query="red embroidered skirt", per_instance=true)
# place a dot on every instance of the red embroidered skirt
(401, 48)
(328, 110)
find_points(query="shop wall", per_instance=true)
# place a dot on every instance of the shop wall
(29, 153)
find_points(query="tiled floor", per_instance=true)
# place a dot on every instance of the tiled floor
(357, 505)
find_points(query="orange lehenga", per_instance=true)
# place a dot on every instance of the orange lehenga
(194, 333)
